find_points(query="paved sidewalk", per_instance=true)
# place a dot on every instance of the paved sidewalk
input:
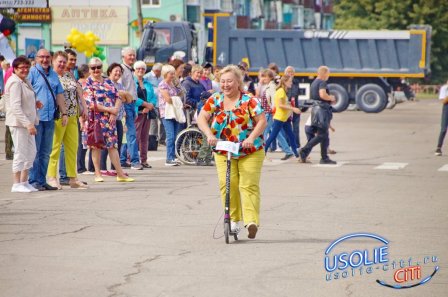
(155, 237)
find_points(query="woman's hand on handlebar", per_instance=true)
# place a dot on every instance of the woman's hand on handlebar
(212, 140)
(248, 143)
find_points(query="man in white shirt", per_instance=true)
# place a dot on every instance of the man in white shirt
(154, 76)
(127, 80)
(443, 97)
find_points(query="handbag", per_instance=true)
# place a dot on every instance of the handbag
(95, 135)
(152, 115)
(321, 116)
(57, 114)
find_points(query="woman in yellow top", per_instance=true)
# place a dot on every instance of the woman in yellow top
(282, 112)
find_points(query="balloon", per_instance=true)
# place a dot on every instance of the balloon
(85, 42)
(82, 48)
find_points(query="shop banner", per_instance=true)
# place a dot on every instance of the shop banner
(23, 3)
(109, 23)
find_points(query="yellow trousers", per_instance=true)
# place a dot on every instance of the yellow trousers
(244, 186)
(68, 136)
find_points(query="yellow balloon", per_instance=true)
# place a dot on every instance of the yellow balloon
(77, 38)
(82, 47)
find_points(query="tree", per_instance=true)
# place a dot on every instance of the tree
(398, 15)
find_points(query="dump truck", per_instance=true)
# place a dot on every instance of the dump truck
(367, 66)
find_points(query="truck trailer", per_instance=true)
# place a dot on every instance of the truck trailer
(367, 66)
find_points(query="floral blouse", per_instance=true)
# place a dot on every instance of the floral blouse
(237, 124)
(104, 93)
(172, 91)
(69, 85)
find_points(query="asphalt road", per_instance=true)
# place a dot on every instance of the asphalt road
(155, 237)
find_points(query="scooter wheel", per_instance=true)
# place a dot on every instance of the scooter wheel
(226, 232)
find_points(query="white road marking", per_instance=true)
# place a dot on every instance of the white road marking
(391, 166)
(338, 164)
(443, 168)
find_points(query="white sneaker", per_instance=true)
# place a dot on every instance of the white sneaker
(171, 163)
(19, 188)
(235, 227)
(33, 189)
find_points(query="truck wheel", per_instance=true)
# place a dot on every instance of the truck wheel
(341, 95)
(371, 98)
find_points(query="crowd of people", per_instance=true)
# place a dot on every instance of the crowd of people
(57, 111)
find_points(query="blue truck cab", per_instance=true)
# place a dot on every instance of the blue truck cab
(161, 40)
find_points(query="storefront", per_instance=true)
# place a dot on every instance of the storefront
(32, 19)
(109, 23)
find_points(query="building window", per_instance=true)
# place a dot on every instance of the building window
(193, 13)
(151, 2)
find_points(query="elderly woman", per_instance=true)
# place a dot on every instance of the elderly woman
(21, 116)
(237, 117)
(114, 72)
(145, 109)
(101, 98)
(193, 87)
(83, 73)
(167, 90)
(68, 134)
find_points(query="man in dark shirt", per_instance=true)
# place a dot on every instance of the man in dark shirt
(320, 93)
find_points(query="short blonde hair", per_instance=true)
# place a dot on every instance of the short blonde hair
(236, 72)
(196, 67)
(139, 64)
(95, 61)
(323, 70)
(289, 67)
(167, 69)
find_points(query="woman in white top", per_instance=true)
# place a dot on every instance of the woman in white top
(21, 117)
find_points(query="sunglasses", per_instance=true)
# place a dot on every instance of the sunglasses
(96, 67)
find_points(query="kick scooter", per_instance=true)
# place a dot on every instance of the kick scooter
(229, 147)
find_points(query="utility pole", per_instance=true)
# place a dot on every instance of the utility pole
(139, 17)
